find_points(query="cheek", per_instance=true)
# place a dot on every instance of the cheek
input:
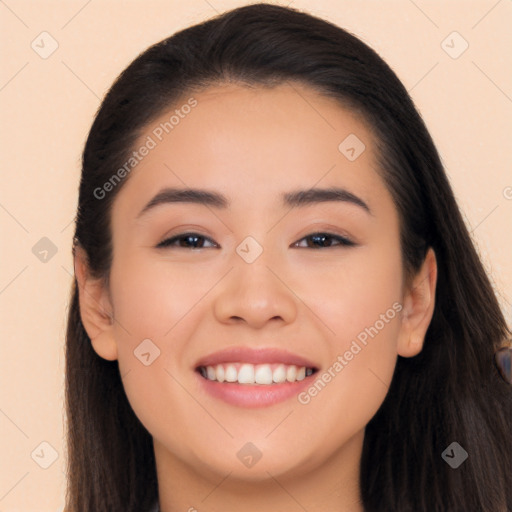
(153, 306)
(361, 306)
(350, 389)
(361, 290)
(149, 297)
(160, 302)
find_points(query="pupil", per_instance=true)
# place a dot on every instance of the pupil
(192, 239)
(322, 238)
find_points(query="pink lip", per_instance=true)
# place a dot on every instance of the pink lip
(254, 395)
(254, 356)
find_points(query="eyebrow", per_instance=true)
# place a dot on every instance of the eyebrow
(294, 199)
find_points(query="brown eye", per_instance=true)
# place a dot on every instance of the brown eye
(185, 240)
(319, 240)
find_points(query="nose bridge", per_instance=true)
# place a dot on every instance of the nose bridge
(253, 261)
(253, 250)
(254, 292)
(259, 260)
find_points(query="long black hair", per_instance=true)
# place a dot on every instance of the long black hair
(450, 392)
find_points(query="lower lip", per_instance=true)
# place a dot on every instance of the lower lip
(253, 396)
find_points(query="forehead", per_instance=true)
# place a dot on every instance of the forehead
(255, 142)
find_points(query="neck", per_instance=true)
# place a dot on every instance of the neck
(332, 486)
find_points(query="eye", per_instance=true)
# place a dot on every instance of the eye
(186, 240)
(315, 241)
(319, 240)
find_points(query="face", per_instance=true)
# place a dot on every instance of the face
(299, 300)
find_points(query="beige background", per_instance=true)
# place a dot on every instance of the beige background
(47, 106)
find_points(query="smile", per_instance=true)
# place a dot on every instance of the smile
(250, 378)
(261, 374)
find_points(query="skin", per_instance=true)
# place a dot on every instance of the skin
(252, 144)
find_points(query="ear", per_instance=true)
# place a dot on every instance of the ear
(95, 308)
(418, 308)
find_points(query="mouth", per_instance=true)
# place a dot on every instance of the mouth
(251, 374)
(254, 378)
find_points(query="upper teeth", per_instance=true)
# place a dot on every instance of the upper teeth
(245, 373)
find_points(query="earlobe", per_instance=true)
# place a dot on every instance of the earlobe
(95, 308)
(419, 303)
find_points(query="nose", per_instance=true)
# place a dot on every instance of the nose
(255, 293)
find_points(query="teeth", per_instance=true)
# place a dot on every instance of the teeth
(279, 374)
(291, 373)
(246, 374)
(231, 374)
(210, 373)
(265, 374)
(219, 373)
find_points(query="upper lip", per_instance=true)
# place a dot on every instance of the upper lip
(255, 356)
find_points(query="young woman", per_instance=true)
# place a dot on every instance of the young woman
(277, 304)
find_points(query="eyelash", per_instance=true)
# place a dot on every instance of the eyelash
(343, 241)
